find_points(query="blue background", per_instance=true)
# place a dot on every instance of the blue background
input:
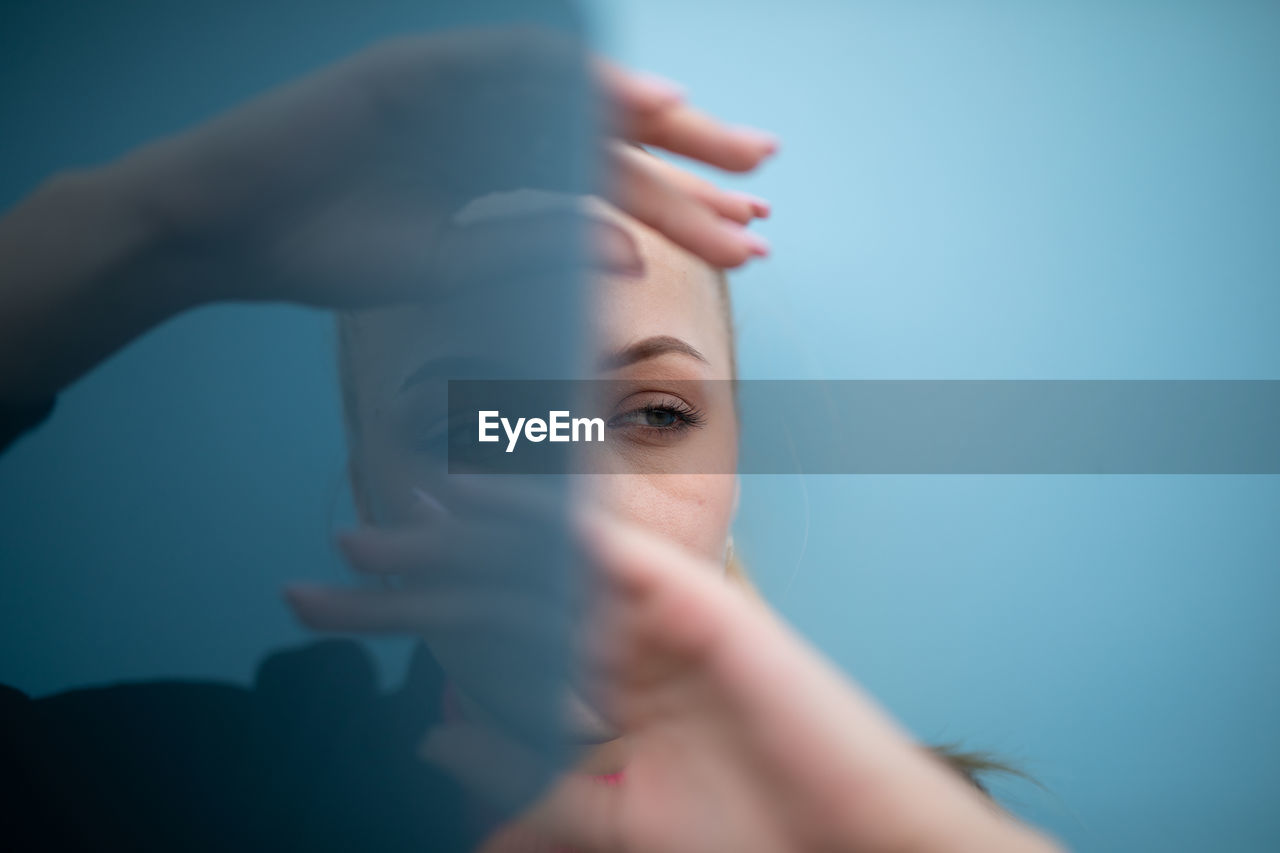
(966, 190)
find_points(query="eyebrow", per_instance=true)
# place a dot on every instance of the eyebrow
(443, 369)
(649, 348)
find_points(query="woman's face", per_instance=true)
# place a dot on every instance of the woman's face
(663, 341)
(662, 338)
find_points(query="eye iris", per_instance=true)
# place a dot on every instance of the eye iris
(660, 418)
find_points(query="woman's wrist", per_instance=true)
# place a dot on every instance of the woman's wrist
(916, 808)
(157, 190)
(1018, 837)
(146, 264)
(993, 832)
(86, 272)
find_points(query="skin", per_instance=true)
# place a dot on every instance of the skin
(95, 257)
(678, 297)
(658, 335)
(659, 338)
(736, 734)
(739, 736)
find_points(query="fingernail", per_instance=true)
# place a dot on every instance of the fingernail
(759, 206)
(759, 246)
(760, 139)
(618, 252)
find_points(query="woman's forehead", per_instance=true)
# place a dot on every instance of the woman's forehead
(677, 295)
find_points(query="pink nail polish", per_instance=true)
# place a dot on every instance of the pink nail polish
(762, 138)
(618, 252)
(759, 206)
(758, 245)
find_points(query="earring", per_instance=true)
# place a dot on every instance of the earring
(728, 552)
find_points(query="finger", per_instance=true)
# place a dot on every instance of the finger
(691, 133)
(482, 540)
(671, 604)
(380, 611)
(656, 609)
(485, 557)
(635, 92)
(645, 194)
(634, 562)
(323, 608)
(760, 207)
(740, 207)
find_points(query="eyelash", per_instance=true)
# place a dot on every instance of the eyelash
(686, 416)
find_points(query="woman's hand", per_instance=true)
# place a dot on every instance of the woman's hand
(741, 737)
(738, 735)
(340, 190)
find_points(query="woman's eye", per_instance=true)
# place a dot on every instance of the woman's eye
(652, 418)
(660, 418)
(666, 418)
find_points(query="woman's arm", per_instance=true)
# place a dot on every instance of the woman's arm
(325, 192)
(739, 735)
(81, 274)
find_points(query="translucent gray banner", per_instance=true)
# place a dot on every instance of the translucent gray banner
(866, 426)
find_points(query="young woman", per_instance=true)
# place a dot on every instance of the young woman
(729, 733)
(663, 337)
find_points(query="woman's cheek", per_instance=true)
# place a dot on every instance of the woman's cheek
(693, 510)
